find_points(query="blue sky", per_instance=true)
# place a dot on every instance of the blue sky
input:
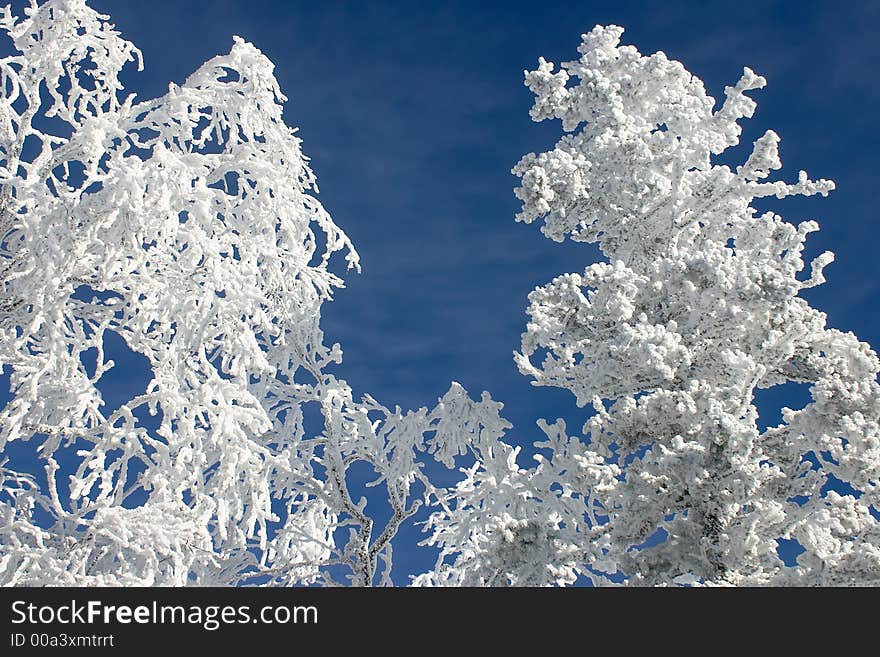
(415, 112)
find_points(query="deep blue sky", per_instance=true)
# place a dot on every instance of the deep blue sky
(415, 112)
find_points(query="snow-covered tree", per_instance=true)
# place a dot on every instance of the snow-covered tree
(697, 307)
(187, 227)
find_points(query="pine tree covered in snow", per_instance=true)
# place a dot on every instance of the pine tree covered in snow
(696, 308)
